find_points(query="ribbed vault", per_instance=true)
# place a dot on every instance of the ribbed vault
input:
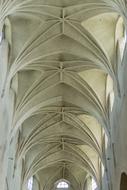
(60, 54)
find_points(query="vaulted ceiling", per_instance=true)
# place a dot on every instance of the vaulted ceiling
(60, 55)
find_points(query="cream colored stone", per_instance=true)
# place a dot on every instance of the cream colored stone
(63, 94)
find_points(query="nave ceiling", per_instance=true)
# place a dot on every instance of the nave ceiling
(60, 55)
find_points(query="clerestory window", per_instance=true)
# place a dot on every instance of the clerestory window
(94, 185)
(62, 184)
(1, 36)
(30, 184)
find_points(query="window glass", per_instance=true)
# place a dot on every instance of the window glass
(112, 99)
(0, 37)
(62, 184)
(30, 184)
(94, 185)
(122, 43)
(120, 36)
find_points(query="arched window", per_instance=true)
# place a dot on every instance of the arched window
(62, 184)
(123, 182)
(0, 37)
(30, 184)
(110, 91)
(120, 36)
(94, 185)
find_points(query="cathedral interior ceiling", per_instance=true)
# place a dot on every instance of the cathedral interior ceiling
(58, 63)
